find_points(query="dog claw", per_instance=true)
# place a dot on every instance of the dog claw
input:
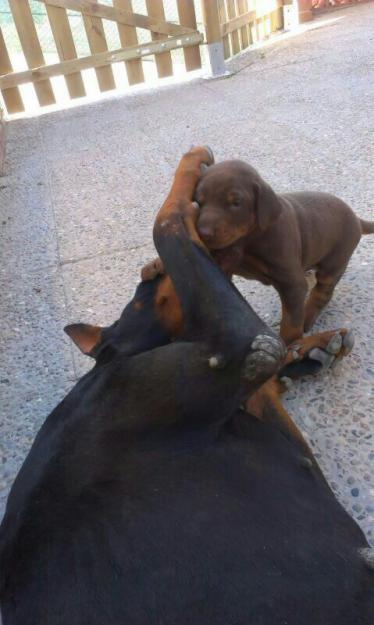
(348, 341)
(210, 152)
(306, 462)
(287, 382)
(205, 166)
(335, 344)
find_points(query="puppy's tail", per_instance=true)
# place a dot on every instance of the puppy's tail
(367, 227)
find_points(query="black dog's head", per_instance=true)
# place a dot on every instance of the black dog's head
(138, 329)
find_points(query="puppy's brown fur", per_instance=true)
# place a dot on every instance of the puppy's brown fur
(274, 238)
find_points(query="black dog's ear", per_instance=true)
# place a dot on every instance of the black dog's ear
(85, 336)
(268, 206)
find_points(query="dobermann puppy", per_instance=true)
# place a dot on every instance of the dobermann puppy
(150, 497)
(274, 238)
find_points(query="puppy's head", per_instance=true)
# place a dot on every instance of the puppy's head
(234, 201)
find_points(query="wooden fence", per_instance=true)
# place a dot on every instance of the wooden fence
(244, 22)
(164, 37)
(234, 24)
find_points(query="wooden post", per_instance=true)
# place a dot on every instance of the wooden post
(305, 10)
(214, 37)
(296, 12)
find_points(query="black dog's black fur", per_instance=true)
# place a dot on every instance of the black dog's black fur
(149, 498)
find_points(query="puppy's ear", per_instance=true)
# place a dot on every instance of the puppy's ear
(85, 336)
(268, 206)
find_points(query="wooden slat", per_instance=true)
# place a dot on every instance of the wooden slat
(252, 5)
(98, 60)
(223, 20)
(238, 22)
(128, 37)
(277, 19)
(244, 34)
(265, 9)
(260, 28)
(187, 17)
(164, 64)
(93, 8)
(231, 12)
(267, 23)
(65, 46)
(31, 47)
(97, 42)
(12, 96)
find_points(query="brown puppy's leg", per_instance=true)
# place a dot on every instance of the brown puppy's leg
(293, 298)
(320, 295)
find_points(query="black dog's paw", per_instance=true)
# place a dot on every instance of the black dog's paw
(266, 357)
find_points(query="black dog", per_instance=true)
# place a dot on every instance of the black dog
(150, 498)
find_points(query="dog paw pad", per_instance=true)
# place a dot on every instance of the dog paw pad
(322, 357)
(335, 344)
(348, 341)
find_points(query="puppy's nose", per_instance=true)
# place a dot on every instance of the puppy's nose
(206, 232)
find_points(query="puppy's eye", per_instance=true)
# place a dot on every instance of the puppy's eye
(236, 203)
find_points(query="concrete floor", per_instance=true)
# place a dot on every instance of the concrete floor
(82, 188)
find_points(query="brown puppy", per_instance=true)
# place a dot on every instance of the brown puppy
(256, 233)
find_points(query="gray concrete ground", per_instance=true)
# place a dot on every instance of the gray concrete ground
(79, 197)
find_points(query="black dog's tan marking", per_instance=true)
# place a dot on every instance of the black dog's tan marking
(149, 497)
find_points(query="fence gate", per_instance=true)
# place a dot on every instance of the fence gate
(139, 36)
